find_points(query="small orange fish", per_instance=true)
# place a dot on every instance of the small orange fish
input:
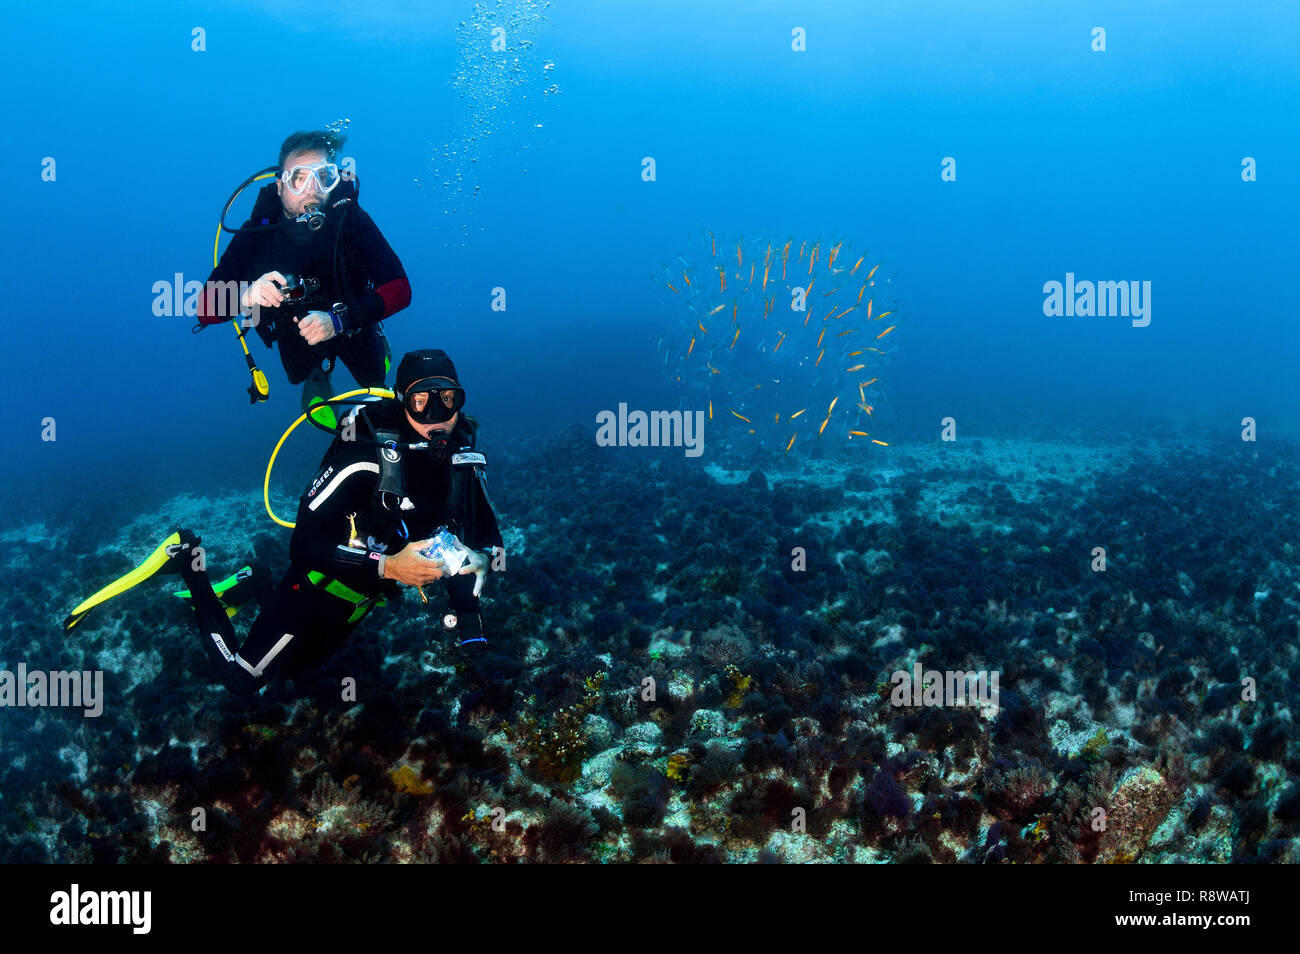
(691, 348)
(685, 277)
(856, 265)
(734, 340)
(710, 410)
(820, 337)
(830, 410)
(791, 444)
(741, 416)
(869, 408)
(819, 358)
(869, 304)
(823, 427)
(831, 292)
(739, 258)
(713, 253)
(856, 367)
(734, 306)
(859, 433)
(830, 262)
(883, 314)
(881, 443)
(808, 290)
(861, 291)
(778, 343)
(703, 330)
(813, 260)
(886, 331)
(670, 285)
(843, 333)
(867, 384)
(876, 350)
(853, 354)
(722, 277)
(715, 310)
(873, 271)
(751, 273)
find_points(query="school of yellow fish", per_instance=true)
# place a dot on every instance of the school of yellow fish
(767, 297)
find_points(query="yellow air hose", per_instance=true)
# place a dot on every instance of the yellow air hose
(270, 464)
(260, 389)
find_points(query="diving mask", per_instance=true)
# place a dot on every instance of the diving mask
(433, 400)
(298, 178)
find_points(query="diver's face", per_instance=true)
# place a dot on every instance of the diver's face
(420, 400)
(295, 205)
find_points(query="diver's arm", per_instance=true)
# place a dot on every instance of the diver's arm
(235, 261)
(481, 530)
(482, 534)
(380, 264)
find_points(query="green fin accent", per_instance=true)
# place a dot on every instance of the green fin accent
(316, 390)
(229, 583)
(156, 561)
(326, 417)
(233, 580)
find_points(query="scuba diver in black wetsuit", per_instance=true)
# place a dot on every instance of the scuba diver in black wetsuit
(399, 471)
(314, 272)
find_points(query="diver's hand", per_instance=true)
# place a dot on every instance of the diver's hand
(316, 326)
(264, 292)
(476, 564)
(411, 568)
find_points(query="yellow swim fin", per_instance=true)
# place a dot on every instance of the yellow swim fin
(157, 560)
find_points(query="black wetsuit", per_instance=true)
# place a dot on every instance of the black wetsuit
(347, 260)
(330, 586)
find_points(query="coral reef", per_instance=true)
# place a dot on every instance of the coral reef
(669, 686)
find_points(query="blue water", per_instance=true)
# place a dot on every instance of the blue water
(522, 170)
(1123, 164)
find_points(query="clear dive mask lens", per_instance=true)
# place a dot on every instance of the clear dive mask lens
(433, 400)
(298, 178)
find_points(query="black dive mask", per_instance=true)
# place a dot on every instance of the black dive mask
(433, 400)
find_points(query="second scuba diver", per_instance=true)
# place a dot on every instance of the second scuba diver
(315, 271)
(398, 472)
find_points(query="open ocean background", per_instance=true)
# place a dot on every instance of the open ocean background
(522, 171)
